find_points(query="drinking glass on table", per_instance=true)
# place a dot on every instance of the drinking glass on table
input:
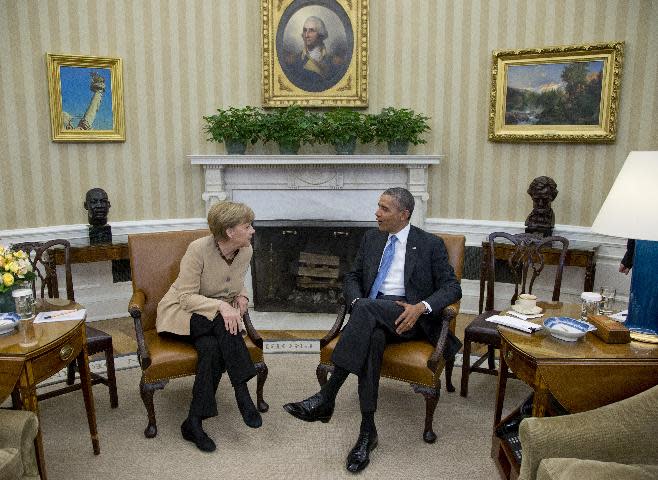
(25, 308)
(606, 306)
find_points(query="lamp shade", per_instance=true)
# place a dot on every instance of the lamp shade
(631, 208)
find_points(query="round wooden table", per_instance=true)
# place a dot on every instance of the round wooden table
(58, 344)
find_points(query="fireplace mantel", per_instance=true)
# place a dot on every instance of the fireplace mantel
(314, 187)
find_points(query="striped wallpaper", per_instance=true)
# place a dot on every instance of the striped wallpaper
(183, 59)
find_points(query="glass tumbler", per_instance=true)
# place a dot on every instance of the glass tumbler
(606, 307)
(25, 308)
(590, 302)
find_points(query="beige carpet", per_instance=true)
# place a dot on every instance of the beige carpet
(284, 447)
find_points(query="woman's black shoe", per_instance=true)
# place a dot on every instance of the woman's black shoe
(192, 432)
(250, 415)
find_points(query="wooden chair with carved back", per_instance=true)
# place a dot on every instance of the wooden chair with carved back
(154, 264)
(42, 259)
(417, 362)
(525, 263)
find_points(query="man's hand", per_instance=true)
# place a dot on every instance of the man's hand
(624, 269)
(231, 316)
(241, 303)
(409, 316)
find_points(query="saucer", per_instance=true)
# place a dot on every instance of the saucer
(533, 311)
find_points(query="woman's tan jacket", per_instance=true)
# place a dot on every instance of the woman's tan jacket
(204, 279)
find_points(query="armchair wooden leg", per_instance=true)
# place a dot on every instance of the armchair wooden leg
(450, 364)
(111, 377)
(431, 400)
(147, 390)
(261, 376)
(466, 367)
(322, 372)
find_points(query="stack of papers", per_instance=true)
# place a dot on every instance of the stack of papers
(523, 316)
(60, 316)
(515, 323)
(621, 316)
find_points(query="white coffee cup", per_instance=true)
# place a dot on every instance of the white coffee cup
(526, 302)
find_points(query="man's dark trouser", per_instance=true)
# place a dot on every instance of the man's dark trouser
(360, 349)
(217, 351)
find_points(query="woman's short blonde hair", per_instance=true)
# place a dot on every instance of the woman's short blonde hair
(225, 215)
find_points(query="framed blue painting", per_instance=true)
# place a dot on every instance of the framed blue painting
(86, 98)
(556, 94)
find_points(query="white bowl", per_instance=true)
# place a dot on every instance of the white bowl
(567, 329)
(8, 322)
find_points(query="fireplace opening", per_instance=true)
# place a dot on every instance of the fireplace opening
(298, 266)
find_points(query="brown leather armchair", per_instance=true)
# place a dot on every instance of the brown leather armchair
(154, 263)
(417, 362)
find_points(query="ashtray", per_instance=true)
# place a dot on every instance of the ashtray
(8, 322)
(567, 329)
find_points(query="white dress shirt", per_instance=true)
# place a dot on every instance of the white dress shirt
(394, 281)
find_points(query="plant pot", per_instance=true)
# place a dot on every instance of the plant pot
(398, 147)
(346, 148)
(289, 148)
(7, 302)
(235, 147)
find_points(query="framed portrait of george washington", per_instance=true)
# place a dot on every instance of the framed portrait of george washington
(86, 98)
(315, 53)
(556, 94)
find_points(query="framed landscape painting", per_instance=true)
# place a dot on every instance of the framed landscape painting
(315, 53)
(556, 94)
(86, 98)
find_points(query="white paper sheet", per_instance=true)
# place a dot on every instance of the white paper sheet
(60, 315)
(515, 323)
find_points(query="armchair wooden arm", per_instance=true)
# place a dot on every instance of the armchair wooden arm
(251, 331)
(447, 316)
(338, 324)
(135, 308)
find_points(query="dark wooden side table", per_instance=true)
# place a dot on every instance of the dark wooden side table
(58, 344)
(581, 375)
(577, 256)
(95, 253)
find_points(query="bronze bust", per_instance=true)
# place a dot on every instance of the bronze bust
(98, 206)
(541, 220)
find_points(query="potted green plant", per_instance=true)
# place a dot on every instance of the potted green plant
(235, 127)
(290, 127)
(342, 128)
(399, 127)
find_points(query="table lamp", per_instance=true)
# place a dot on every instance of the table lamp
(631, 211)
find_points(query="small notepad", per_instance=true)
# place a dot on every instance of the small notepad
(60, 316)
(514, 323)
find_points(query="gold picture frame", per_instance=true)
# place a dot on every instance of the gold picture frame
(79, 87)
(335, 73)
(556, 94)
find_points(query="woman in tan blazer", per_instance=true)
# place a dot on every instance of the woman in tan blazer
(205, 306)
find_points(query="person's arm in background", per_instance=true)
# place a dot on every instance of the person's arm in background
(627, 262)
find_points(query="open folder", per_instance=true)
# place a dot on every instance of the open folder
(60, 315)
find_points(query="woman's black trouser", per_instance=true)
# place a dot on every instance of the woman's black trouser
(217, 351)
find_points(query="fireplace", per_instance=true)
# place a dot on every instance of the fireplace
(299, 266)
(311, 212)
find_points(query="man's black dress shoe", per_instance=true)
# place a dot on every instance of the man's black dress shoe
(312, 409)
(359, 456)
(196, 435)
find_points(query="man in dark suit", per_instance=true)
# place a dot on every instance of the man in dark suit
(400, 283)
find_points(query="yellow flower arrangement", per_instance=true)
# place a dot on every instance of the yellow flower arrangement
(14, 267)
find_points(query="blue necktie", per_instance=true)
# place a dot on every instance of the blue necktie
(387, 260)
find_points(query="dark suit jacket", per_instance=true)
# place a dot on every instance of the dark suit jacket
(427, 276)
